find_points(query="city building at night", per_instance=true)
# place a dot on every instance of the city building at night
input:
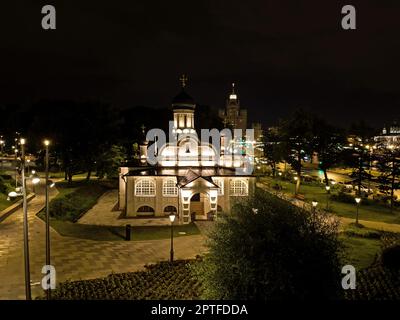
(191, 179)
(390, 135)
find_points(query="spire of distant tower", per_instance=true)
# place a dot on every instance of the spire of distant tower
(183, 80)
(233, 95)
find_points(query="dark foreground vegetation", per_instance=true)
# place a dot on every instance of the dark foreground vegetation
(266, 249)
(160, 281)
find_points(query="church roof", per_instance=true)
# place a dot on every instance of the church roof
(183, 99)
(192, 176)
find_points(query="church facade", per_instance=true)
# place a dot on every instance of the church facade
(191, 179)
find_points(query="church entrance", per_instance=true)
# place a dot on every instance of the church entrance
(197, 205)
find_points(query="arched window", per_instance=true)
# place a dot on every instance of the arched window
(238, 188)
(220, 184)
(145, 188)
(169, 188)
(170, 209)
(146, 210)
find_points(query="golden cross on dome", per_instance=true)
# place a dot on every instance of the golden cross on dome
(183, 80)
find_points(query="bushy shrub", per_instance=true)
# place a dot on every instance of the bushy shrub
(391, 257)
(359, 231)
(162, 281)
(275, 252)
(343, 197)
(348, 198)
(5, 186)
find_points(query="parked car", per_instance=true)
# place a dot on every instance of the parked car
(363, 189)
(347, 185)
(309, 178)
(331, 181)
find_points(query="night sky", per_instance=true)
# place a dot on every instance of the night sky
(282, 55)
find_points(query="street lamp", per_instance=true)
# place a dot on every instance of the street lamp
(295, 184)
(314, 207)
(328, 188)
(25, 217)
(27, 163)
(358, 200)
(172, 219)
(2, 143)
(48, 184)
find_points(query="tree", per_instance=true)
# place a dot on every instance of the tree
(268, 249)
(80, 132)
(328, 143)
(389, 166)
(361, 131)
(297, 137)
(273, 149)
(109, 161)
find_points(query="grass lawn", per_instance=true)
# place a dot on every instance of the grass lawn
(360, 252)
(6, 185)
(4, 203)
(105, 233)
(373, 212)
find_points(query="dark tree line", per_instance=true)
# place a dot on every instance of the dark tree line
(89, 136)
(304, 134)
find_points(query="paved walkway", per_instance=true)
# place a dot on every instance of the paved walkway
(75, 259)
(105, 213)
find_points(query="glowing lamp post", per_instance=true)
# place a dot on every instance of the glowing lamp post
(48, 184)
(25, 216)
(295, 184)
(2, 143)
(314, 207)
(358, 200)
(172, 219)
(328, 188)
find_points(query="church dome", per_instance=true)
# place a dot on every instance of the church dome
(183, 98)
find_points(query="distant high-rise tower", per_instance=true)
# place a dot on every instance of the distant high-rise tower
(233, 116)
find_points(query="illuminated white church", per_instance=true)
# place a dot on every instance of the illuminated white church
(194, 180)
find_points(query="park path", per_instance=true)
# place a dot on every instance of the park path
(73, 258)
(105, 213)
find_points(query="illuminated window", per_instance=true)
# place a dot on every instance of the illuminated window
(146, 188)
(169, 188)
(238, 188)
(220, 184)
